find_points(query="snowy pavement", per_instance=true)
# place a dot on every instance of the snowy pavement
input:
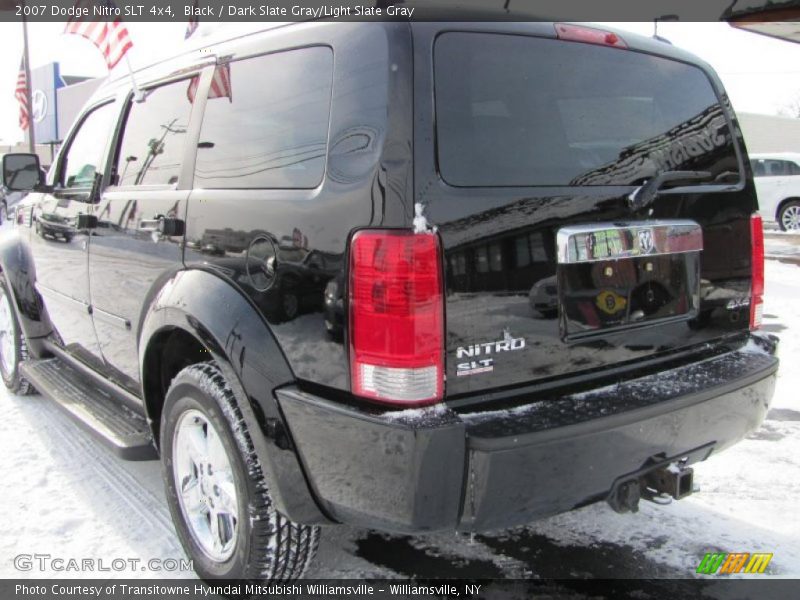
(67, 496)
(782, 245)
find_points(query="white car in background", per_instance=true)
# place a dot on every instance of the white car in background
(777, 178)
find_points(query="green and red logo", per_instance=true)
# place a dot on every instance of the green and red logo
(722, 563)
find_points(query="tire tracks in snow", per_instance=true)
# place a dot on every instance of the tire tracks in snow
(108, 469)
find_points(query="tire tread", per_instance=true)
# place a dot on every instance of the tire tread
(281, 550)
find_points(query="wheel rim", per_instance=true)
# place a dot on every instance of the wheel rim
(205, 485)
(8, 350)
(790, 218)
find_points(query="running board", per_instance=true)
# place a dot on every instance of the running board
(107, 417)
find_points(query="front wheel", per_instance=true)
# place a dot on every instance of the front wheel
(13, 349)
(789, 216)
(220, 503)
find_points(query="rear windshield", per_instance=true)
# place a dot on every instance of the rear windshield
(523, 111)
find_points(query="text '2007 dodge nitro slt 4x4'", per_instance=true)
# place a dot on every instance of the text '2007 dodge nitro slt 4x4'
(405, 276)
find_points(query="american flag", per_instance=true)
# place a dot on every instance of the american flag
(111, 38)
(220, 84)
(21, 94)
(191, 26)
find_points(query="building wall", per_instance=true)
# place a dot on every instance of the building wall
(768, 133)
(70, 102)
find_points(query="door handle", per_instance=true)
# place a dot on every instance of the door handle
(148, 225)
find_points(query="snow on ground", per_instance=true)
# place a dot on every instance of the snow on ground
(67, 496)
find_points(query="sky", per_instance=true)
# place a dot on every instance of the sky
(761, 74)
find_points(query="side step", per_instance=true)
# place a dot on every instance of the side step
(125, 431)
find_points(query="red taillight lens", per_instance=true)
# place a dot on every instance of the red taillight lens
(588, 35)
(757, 261)
(396, 317)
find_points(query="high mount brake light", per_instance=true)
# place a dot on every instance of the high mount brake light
(396, 317)
(588, 35)
(757, 262)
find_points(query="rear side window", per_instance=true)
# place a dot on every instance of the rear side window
(523, 111)
(153, 140)
(266, 122)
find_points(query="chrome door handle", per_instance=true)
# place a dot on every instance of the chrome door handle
(149, 225)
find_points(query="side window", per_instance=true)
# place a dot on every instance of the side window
(85, 153)
(775, 168)
(794, 169)
(759, 170)
(266, 122)
(523, 251)
(785, 168)
(152, 146)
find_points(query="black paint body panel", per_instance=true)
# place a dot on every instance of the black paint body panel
(439, 469)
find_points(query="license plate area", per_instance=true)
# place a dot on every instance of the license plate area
(616, 276)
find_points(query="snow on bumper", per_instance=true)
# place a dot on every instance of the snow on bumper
(434, 469)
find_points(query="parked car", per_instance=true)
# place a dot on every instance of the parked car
(777, 178)
(415, 181)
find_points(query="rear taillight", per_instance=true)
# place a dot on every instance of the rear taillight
(588, 35)
(396, 317)
(757, 261)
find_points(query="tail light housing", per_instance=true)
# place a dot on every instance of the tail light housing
(757, 261)
(396, 324)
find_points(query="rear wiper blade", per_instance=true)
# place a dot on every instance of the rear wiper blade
(644, 195)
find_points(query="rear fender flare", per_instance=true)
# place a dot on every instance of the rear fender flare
(223, 320)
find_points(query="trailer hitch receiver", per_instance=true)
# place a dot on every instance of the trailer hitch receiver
(673, 480)
(660, 484)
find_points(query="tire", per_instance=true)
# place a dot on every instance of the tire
(13, 348)
(252, 540)
(789, 216)
(290, 305)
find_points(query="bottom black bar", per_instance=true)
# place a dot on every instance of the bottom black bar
(187, 589)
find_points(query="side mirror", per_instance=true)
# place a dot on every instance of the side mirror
(21, 172)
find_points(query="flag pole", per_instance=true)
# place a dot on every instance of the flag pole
(28, 86)
(138, 95)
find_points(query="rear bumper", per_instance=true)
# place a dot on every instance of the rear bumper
(434, 469)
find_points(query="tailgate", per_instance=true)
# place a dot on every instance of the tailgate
(539, 144)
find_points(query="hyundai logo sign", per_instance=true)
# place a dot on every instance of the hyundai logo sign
(39, 105)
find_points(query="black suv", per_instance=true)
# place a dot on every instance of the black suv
(406, 276)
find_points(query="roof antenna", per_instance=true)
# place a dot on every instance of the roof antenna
(505, 6)
(655, 26)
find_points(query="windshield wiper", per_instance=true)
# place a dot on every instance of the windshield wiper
(644, 195)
